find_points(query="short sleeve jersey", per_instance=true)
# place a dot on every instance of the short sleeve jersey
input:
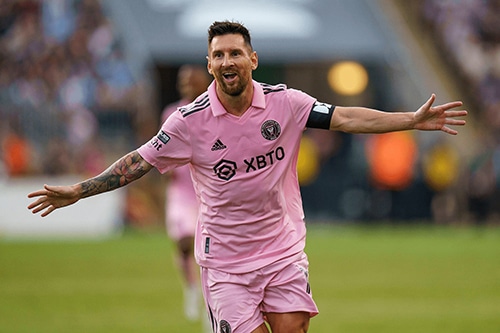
(244, 173)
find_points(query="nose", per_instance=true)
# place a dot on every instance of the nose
(226, 61)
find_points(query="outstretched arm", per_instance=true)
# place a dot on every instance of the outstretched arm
(124, 171)
(426, 118)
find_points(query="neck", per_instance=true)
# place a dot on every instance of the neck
(236, 105)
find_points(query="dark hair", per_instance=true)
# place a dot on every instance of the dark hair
(220, 28)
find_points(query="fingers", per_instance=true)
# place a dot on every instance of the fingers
(51, 198)
(40, 208)
(445, 106)
(41, 204)
(51, 188)
(37, 193)
(36, 203)
(454, 114)
(450, 115)
(455, 122)
(48, 211)
(430, 101)
(449, 130)
(450, 105)
(46, 191)
(442, 116)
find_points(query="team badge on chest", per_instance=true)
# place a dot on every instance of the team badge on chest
(270, 130)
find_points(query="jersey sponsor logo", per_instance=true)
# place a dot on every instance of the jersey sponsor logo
(156, 144)
(321, 107)
(270, 130)
(218, 145)
(225, 169)
(163, 137)
(261, 161)
(158, 141)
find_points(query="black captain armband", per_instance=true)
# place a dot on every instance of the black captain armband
(320, 116)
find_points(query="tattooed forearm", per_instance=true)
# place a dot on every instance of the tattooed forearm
(127, 169)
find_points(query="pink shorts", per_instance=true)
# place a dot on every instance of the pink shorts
(238, 302)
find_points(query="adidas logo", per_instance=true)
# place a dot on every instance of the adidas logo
(218, 145)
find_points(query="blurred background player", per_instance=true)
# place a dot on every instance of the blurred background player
(181, 206)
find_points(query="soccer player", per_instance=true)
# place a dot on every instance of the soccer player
(181, 206)
(241, 140)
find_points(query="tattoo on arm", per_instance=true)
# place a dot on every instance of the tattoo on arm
(127, 169)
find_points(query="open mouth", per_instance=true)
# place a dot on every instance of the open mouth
(229, 76)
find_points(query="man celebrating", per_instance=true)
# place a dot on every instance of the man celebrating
(241, 140)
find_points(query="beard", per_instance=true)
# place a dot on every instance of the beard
(234, 89)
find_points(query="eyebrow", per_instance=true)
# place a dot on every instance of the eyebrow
(239, 49)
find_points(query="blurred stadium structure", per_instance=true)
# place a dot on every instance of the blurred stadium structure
(84, 81)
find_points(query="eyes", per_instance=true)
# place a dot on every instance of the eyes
(232, 54)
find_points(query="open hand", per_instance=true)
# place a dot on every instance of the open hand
(52, 197)
(439, 117)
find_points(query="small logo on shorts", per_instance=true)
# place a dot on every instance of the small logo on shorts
(270, 130)
(225, 327)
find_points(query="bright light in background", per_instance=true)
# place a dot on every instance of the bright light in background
(348, 78)
(265, 19)
(308, 161)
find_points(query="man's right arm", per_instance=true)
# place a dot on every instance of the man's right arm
(124, 171)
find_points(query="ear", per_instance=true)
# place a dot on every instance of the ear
(255, 60)
(209, 66)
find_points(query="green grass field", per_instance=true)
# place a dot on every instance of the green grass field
(423, 280)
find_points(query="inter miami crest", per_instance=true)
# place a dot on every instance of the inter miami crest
(225, 327)
(270, 130)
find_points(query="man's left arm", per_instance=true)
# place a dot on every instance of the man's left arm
(426, 118)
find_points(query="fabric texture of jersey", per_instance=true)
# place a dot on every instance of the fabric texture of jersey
(181, 206)
(244, 173)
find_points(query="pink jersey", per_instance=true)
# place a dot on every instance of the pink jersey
(244, 173)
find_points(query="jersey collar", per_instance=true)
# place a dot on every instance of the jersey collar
(258, 99)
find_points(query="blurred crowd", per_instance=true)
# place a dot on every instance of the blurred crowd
(468, 33)
(69, 103)
(64, 87)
